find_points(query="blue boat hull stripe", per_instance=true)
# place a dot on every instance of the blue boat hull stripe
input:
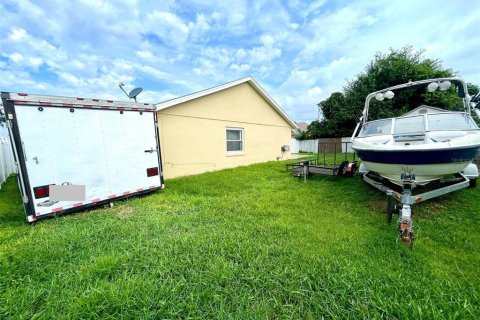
(419, 156)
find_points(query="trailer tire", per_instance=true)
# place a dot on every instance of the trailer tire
(342, 168)
(354, 169)
(472, 183)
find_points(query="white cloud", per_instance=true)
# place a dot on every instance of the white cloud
(169, 27)
(240, 68)
(71, 79)
(315, 92)
(15, 57)
(17, 34)
(144, 54)
(34, 62)
(153, 72)
(312, 8)
(200, 27)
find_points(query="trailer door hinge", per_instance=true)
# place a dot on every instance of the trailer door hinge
(151, 150)
(25, 199)
(10, 116)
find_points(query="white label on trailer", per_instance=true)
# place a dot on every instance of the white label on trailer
(66, 192)
(103, 150)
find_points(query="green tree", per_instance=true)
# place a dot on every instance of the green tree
(472, 89)
(338, 115)
(302, 135)
(341, 110)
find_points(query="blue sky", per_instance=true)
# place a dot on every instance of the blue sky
(299, 51)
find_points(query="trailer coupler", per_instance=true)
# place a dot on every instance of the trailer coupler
(406, 231)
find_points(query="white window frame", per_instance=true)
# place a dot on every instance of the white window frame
(236, 152)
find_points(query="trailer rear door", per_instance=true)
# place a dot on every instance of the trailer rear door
(111, 151)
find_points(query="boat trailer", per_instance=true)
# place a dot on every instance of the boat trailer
(404, 195)
(317, 166)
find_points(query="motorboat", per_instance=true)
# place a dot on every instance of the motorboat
(425, 144)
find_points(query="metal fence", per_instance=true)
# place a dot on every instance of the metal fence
(7, 163)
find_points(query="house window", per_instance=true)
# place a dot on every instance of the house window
(234, 140)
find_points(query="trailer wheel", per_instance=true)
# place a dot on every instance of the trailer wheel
(354, 169)
(342, 168)
(472, 183)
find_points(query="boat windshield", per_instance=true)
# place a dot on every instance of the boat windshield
(446, 121)
(450, 121)
(409, 125)
(376, 128)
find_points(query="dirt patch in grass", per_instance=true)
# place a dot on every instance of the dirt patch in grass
(125, 211)
(380, 206)
(431, 210)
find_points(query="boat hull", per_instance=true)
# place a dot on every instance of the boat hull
(426, 165)
(423, 173)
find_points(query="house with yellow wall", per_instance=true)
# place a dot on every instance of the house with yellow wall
(234, 124)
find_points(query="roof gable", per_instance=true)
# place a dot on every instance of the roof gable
(423, 109)
(249, 80)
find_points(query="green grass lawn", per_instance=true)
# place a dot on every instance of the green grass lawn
(251, 242)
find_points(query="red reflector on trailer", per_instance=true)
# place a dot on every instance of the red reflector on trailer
(80, 99)
(152, 172)
(41, 192)
(23, 94)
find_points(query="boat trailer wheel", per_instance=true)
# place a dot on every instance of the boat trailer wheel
(342, 168)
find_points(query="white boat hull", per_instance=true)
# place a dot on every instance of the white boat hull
(423, 173)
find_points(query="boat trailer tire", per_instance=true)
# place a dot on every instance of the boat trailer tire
(472, 183)
(352, 169)
(343, 168)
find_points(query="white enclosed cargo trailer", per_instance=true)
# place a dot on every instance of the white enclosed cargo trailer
(74, 153)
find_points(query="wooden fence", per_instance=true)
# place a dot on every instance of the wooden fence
(329, 143)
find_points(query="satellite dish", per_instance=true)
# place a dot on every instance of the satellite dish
(134, 93)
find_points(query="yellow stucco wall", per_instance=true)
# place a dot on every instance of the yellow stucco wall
(193, 134)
